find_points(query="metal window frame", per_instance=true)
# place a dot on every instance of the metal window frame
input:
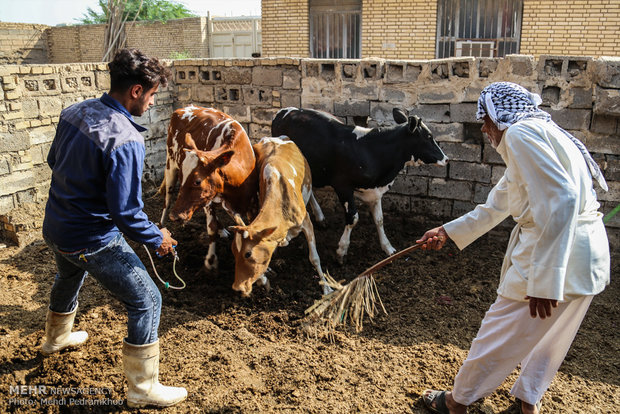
(478, 20)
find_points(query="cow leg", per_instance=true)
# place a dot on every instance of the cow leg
(351, 217)
(377, 215)
(306, 227)
(170, 180)
(212, 231)
(316, 209)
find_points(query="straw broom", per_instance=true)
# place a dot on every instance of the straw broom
(349, 302)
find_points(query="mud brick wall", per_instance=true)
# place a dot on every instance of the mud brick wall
(581, 93)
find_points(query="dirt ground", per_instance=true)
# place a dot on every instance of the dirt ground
(237, 355)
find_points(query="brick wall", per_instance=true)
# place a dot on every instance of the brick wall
(395, 29)
(163, 39)
(580, 93)
(23, 43)
(399, 29)
(285, 28)
(573, 27)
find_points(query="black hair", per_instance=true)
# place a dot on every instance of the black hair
(132, 67)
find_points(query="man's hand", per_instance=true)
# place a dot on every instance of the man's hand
(541, 306)
(167, 244)
(434, 239)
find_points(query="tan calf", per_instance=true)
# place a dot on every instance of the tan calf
(285, 186)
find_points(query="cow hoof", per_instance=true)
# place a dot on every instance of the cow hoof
(327, 290)
(390, 251)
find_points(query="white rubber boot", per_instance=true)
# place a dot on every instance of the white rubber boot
(141, 364)
(58, 333)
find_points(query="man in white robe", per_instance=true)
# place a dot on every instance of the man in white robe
(557, 256)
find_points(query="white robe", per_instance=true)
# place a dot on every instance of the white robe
(559, 247)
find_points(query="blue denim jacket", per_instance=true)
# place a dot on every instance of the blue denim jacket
(97, 159)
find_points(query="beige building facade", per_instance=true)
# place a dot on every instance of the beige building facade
(413, 29)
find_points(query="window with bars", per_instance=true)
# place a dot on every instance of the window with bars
(482, 28)
(335, 28)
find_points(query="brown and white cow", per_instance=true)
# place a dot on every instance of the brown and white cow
(212, 156)
(285, 186)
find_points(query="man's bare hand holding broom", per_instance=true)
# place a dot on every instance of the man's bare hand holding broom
(434, 239)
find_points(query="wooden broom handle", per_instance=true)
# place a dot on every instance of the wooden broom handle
(390, 259)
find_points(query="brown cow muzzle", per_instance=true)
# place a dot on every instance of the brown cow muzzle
(244, 287)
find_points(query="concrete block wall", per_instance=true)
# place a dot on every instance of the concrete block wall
(31, 99)
(582, 94)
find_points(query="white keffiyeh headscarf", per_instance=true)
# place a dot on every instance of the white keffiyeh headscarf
(507, 103)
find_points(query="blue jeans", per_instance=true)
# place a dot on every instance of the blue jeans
(117, 267)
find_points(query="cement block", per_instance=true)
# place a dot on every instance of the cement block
(469, 171)
(237, 76)
(497, 173)
(257, 131)
(612, 172)
(410, 185)
(608, 71)
(12, 142)
(50, 106)
(263, 116)
(267, 76)
(6, 204)
(290, 99)
(203, 93)
(357, 92)
(581, 98)
(4, 166)
(607, 102)
(392, 95)
(613, 195)
(456, 190)
(291, 79)
(521, 65)
(17, 181)
(240, 113)
(398, 203)
(186, 75)
(447, 132)
(428, 170)
(604, 124)
(571, 118)
(462, 151)
(102, 80)
(481, 191)
(436, 97)
(490, 155)
(160, 113)
(352, 108)
(431, 207)
(431, 113)
(462, 207)
(463, 112)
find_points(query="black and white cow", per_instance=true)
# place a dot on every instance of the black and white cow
(357, 162)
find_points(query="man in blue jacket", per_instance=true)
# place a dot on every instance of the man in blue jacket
(94, 201)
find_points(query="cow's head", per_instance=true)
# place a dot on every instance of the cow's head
(252, 250)
(424, 148)
(203, 179)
